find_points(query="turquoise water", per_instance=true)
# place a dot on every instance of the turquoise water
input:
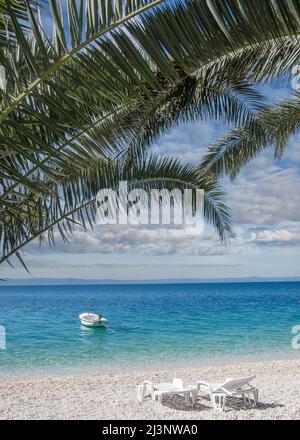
(148, 324)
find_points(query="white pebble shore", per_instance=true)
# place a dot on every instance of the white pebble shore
(113, 396)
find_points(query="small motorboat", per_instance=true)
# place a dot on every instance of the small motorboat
(92, 320)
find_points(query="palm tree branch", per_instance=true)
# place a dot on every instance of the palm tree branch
(68, 56)
(156, 172)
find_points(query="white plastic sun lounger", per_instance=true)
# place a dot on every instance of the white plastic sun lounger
(218, 392)
(156, 391)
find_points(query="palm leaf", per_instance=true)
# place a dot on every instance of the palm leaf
(63, 111)
(100, 19)
(273, 127)
(80, 199)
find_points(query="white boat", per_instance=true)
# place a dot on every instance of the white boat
(92, 320)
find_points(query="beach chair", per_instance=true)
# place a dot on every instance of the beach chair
(219, 392)
(156, 391)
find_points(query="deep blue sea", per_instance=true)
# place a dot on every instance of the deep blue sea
(149, 325)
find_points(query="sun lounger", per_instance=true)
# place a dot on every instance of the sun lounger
(157, 391)
(219, 392)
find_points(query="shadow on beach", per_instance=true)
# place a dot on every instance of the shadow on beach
(204, 404)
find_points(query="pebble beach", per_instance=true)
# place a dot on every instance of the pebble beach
(107, 396)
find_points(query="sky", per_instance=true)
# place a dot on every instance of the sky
(265, 208)
(264, 202)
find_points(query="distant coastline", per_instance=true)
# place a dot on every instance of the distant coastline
(78, 281)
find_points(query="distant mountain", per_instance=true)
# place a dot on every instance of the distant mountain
(61, 281)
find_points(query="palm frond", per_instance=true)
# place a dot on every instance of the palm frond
(71, 98)
(20, 12)
(87, 22)
(76, 202)
(273, 127)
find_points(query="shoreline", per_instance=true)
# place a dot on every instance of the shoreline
(140, 368)
(113, 396)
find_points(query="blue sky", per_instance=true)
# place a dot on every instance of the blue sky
(264, 201)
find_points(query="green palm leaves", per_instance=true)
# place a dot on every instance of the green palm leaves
(87, 21)
(111, 79)
(272, 127)
(79, 195)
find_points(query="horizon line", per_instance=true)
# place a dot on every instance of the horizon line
(57, 281)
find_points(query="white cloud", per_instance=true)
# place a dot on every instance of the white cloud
(265, 201)
(189, 141)
(130, 239)
(279, 237)
(267, 196)
(292, 151)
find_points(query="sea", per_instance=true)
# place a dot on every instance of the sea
(149, 325)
